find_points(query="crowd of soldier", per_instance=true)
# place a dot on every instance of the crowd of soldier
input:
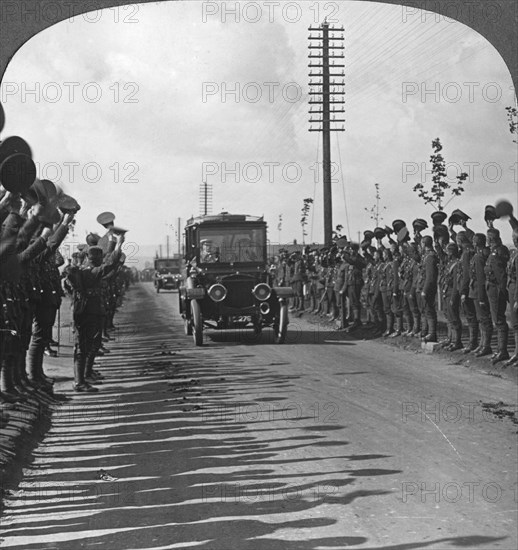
(31, 293)
(396, 286)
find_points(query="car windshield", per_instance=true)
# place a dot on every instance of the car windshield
(167, 266)
(231, 244)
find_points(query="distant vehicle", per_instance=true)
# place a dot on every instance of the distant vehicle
(227, 283)
(168, 274)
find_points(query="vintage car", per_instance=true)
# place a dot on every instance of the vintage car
(168, 274)
(227, 283)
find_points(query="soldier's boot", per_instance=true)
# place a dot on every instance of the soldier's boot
(416, 330)
(36, 374)
(398, 329)
(485, 343)
(473, 339)
(390, 324)
(456, 339)
(514, 358)
(432, 331)
(80, 384)
(424, 327)
(407, 318)
(7, 386)
(356, 321)
(447, 340)
(91, 376)
(17, 375)
(503, 337)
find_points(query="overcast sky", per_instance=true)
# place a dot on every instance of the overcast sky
(120, 120)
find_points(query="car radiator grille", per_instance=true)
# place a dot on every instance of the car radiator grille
(239, 294)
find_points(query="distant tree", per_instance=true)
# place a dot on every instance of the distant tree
(512, 117)
(304, 219)
(436, 194)
(374, 210)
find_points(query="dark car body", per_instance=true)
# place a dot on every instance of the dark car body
(168, 273)
(227, 282)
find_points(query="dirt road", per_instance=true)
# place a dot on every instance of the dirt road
(320, 443)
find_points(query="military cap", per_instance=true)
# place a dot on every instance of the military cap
(503, 208)
(365, 244)
(66, 203)
(397, 225)
(17, 172)
(379, 233)
(92, 239)
(402, 235)
(388, 230)
(438, 217)
(490, 213)
(457, 216)
(95, 252)
(419, 224)
(368, 235)
(105, 218)
(2, 117)
(12, 145)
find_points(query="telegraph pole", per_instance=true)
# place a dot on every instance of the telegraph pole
(205, 198)
(329, 94)
(179, 237)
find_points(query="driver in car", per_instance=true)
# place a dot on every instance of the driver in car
(208, 254)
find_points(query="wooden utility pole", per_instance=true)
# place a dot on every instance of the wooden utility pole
(329, 95)
(179, 237)
(205, 198)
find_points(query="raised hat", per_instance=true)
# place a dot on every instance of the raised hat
(403, 235)
(14, 144)
(92, 239)
(66, 203)
(503, 208)
(379, 233)
(368, 234)
(398, 225)
(105, 218)
(458, 215)
(419, 224)
(490, 213)
(17, 173)
(388, 230)
(365, 244)
(341, 242)
(438, 217)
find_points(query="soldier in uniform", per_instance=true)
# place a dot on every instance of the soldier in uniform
(479, 294)
(341, 283)
(496, 286)
(297, 278)
(354, 282)
(89, 310)
(429, 290)
(451, 295)
(375, 292)
(512, 288)
(386, 285)
(410, 287)
(46, 309)
(467, 303)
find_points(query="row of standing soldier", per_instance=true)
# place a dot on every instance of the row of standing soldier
(399, 285)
